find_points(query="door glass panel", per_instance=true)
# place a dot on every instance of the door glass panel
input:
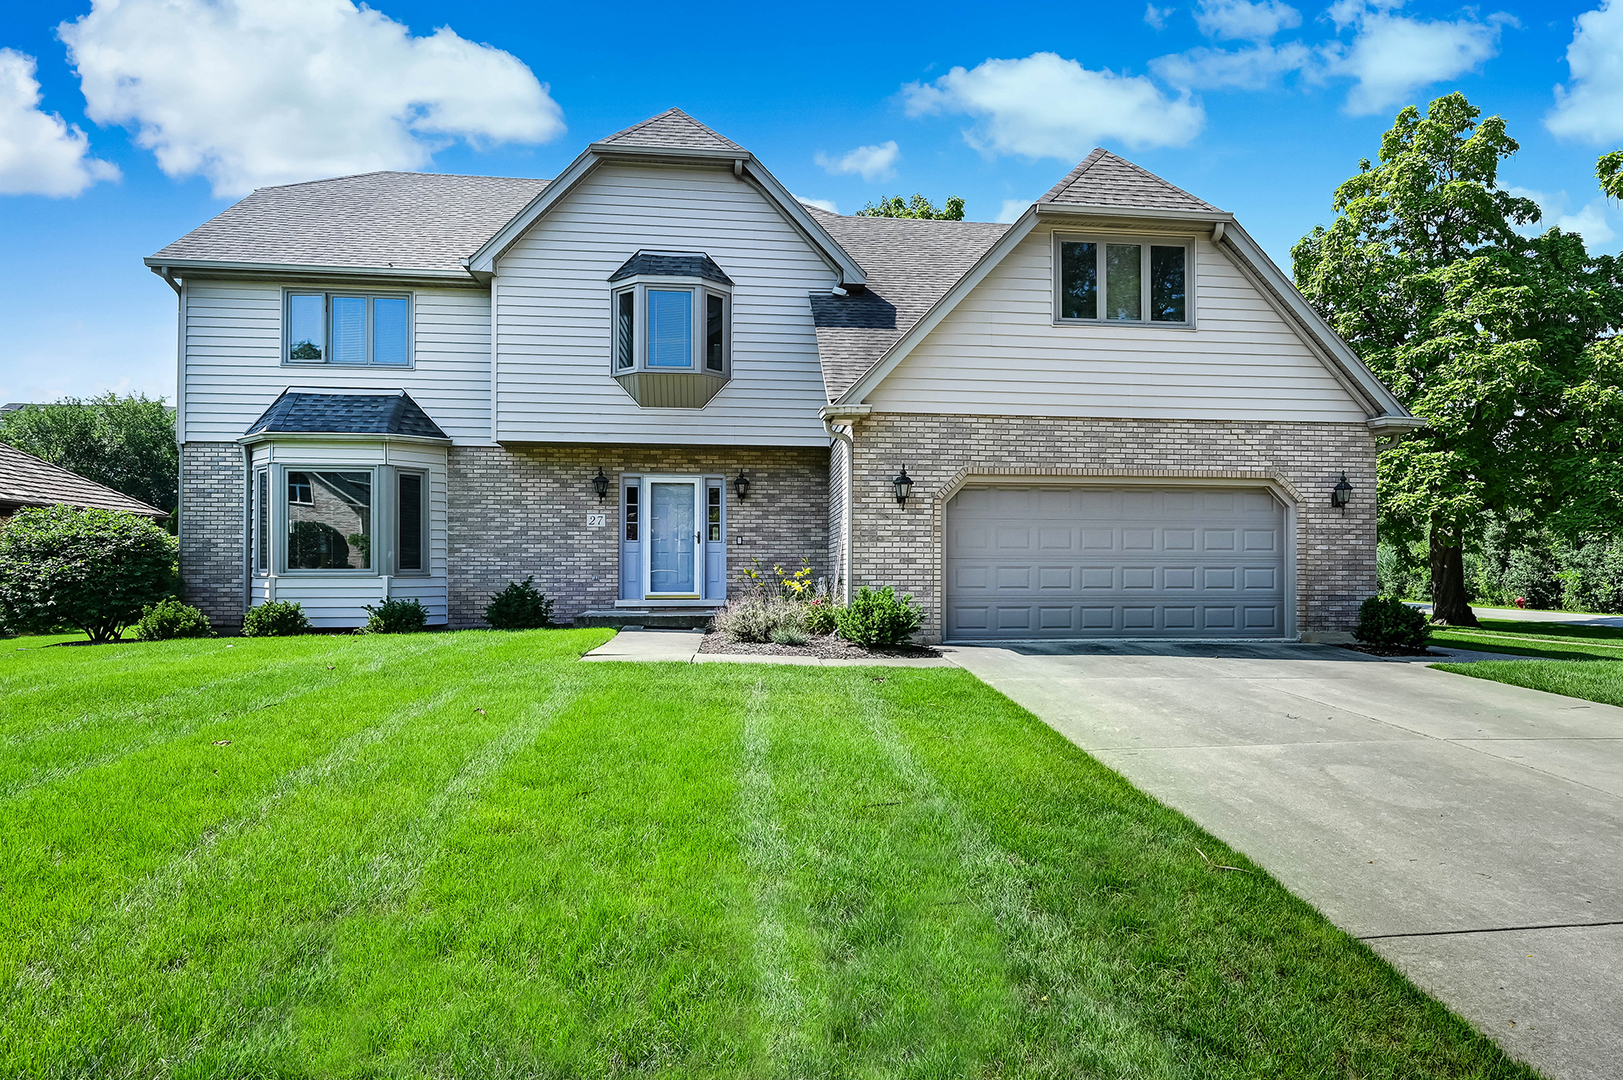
(1124, 282)
(712, 515)
(671, 536)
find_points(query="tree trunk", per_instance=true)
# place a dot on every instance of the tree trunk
(1448, 603)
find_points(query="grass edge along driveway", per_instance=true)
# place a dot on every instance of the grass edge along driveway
(1563, 658)
(468, 854)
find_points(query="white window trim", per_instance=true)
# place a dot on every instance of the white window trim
(288, 292)
(638, 286)
(280, 522)
(1145, 242)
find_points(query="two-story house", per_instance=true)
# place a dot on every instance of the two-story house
(1115, 417)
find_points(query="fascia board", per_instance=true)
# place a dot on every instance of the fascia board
(483, 261)
(337, 437)
(305, 270)
(851, 273)
(932, 318)
(1060, 210)
(1291, 303)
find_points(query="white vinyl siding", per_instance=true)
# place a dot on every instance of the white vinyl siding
(998, 353)
(233, 368)
(553, 313)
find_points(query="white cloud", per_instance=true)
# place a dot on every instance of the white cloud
(1012, 209)
(1156, 18)
(1590, 107)
(1392, 57)
(40, 153)
(821, 204)
(1243, 69)
(254, 92)
(870, 162)
(1047, 106)
(1241, 20)
(1590, 221)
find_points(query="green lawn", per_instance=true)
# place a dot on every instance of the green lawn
(467, 854)
(1549, 640)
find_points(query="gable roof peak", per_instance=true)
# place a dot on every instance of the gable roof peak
(1110, 181)
(672, 129)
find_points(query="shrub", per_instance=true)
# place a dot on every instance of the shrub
(395, 617)
(755, 618)
(788, 634)
(520, 606)
(95, 570)
(1386, 620)
(278, 618)
(170, 619)
(878, 617)
(820, 617)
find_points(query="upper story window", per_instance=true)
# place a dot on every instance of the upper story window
(672, 313)
(347, 328)
(1138, 280)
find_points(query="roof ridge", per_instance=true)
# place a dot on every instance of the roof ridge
(1138, 189)
(673, 113)
(399, 172)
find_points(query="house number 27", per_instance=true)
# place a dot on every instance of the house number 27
(596, 521)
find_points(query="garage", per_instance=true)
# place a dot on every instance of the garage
(1044, 561)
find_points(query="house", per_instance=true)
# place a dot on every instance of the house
(1115, 417)
(26, 480)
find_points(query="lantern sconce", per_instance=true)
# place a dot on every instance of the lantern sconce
(1341, 494)
(904, 486)
(600, 484)
(741, 484)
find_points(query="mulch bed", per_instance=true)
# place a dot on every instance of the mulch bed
(1392, 650)
(824, 648)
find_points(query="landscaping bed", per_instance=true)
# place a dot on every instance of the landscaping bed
(823, 647)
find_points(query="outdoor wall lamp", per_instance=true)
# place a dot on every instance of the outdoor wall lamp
(1341, 494)
(600, 484)
(904, 485)
(741, 484)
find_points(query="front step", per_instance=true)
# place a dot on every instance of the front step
(649, 618)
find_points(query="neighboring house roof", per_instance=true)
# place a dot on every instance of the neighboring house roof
(25, 480)
(671, 264)
(911, 263)
(1105, 180)
(301, 413)
(375, 221)
(671, 129)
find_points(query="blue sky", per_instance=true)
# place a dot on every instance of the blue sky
(125, 123)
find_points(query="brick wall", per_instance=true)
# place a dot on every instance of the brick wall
(520, 511)
(212, 521)
(902, 545)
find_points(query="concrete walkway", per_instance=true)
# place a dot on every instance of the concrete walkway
(682, 647)
(1471, 832)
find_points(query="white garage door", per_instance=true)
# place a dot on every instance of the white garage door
(1058, 562)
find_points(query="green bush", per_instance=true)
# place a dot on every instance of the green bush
(95, 570)
(278, 618)
(170, 619)
(878, 618)
(395, 617)
(788, 634)
(1386, 620)
(820, 617)
(520, 606)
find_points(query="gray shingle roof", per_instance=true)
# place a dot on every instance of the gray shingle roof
(911, 263)
(1103, 179)
(407, 221)
(25, 480)
(667, 264)
(297, 412)
(672, 128)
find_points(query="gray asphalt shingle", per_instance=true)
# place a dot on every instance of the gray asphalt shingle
(673, 128)
(298, 412)
(1103, 179)
(666, 264)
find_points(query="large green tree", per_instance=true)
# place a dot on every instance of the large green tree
(127, 443)
(1499, 341)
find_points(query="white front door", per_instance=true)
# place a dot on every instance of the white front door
(673, 569)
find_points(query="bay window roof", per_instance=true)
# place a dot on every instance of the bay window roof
(671, 264)
(314, 413)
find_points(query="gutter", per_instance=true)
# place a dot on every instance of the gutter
(831, 415)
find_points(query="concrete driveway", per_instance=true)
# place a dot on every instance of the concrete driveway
(1471, 832)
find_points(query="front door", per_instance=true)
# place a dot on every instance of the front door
(675, 514)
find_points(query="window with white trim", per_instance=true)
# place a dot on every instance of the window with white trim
(1140, 280)
(349, 328)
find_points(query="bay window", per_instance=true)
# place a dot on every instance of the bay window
(664, 325)
(1123, 280)
(351, 328)
(318, 519)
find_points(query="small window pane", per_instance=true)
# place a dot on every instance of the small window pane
(262, 522)
(670, 328)
(625, 323)
(1079, 280)
(389, 330)
(410, 515)
(349, 329)
(631, 512)
(306, 316)
(331, 527)
(1168, 294)
(713, 332)
(713, 514)
(1124, 282)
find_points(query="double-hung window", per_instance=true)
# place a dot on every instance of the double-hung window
(351, 328)
(1122, 280)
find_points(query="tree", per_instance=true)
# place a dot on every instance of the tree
(1609, 171)
(916, 207)
(1498, 341)
(92, 569)
(126, 443)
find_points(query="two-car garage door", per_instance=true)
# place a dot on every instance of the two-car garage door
(1129, 561)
